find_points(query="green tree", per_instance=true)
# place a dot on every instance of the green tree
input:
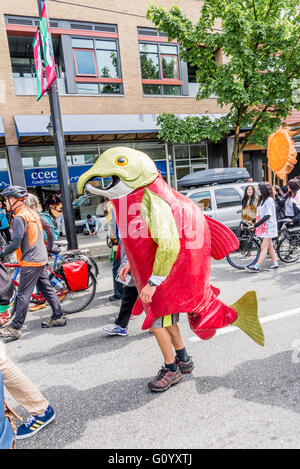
(260, 41)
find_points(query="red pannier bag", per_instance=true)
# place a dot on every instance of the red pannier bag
(76, 274)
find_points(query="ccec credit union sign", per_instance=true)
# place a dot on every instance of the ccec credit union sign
(48, 176)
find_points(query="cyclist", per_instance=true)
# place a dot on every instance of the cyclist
(33, 203)
(32, 255)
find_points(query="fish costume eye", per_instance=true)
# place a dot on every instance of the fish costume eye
(121, 161)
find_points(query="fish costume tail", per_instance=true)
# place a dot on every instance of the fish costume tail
(247, 317)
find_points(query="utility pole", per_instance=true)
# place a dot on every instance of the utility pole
(62, 166)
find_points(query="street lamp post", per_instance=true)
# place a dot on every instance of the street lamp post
(62, 166)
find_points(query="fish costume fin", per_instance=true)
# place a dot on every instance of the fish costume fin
(148, 319)
(137, 308)
(216, 290)
(247, 317)
(223, 240)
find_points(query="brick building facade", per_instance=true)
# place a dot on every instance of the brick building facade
(116, 73)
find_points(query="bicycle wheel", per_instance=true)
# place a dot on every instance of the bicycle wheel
(247, 253)
(289, 249)
(73, 301)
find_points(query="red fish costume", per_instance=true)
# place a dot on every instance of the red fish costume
(187, 288)
(139, 195)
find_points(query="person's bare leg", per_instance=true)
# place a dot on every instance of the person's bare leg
(272, 253)
(264, 250)
(163, 338)
(175, 335)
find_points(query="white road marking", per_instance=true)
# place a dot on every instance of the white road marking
(272, 317)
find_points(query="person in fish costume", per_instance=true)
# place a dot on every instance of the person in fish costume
(169, 243)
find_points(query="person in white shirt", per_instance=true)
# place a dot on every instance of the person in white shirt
(265, 226)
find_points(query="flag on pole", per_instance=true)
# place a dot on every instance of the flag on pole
(38, 65)
(47, 47)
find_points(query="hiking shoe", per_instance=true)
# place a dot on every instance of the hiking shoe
(37, 307)
(34, 424)
(10, 333)
(116, 330)
(164, 379)
(55, 322)
(185, 367)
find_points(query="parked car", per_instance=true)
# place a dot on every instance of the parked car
(222, 202)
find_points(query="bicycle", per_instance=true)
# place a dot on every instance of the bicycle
(74, 301)
(287, 246)
(74, 254)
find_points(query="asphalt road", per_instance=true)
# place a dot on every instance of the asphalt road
(240, 395)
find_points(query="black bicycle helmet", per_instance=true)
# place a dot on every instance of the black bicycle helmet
(15, 191)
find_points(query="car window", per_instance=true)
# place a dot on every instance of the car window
(228, 197)
(203, 199)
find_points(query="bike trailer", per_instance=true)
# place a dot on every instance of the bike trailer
(7, 288)
(75, 274)
(7, 434)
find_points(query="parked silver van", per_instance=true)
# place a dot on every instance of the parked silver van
(222, 202)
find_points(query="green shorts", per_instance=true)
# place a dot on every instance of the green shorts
(165, 321)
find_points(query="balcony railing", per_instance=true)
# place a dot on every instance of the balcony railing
(27, 86)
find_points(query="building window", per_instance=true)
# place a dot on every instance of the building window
(23, 67)
(160, 69)
(98, 60)
(85, 62)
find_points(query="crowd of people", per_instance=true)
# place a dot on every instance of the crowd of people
(262, 210)
(265, 211)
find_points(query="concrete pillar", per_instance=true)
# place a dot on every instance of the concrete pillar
(15, 166)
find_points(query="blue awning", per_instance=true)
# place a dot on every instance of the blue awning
(92, 124)
(2, 133)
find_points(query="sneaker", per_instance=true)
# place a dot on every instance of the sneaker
(164, 379)
(10, 333)
(55, 322)
(273, 267)
(253, 268)
(185, 367)
(116, 330)
(37, 307)
(34, 424)
(114, 298)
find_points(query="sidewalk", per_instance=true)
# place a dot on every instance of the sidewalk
(95, 245)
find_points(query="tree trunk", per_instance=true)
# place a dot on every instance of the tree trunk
(235, 151)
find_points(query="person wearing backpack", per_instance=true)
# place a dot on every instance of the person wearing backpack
(32, 255)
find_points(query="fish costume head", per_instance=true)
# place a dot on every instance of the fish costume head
(169, 241)
(128, 168)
